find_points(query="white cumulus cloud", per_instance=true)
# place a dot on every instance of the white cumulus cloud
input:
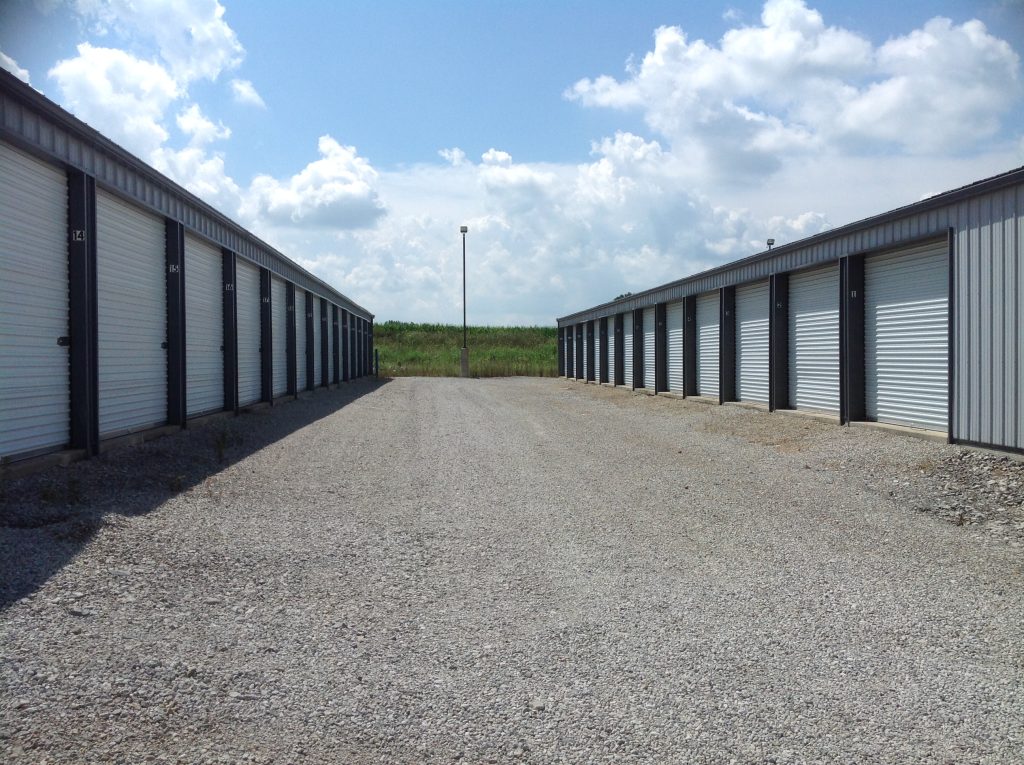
(200, 129)
(245, 93)
(8, 63)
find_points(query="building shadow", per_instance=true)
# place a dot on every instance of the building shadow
(47, 518)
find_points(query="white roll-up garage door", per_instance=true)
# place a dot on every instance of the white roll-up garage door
(330, 344)
(814, 339)
(132, 316)
(586, 357)
(609, 358)
(34, 376)
(300, 340)
(649, 349)
(279, 320)
(906, 325)
(752, 304)
(707, 343)
(674, 320)
(597, 351)
(204, 327)
(247, 297)
(317, 351)
(627, 350)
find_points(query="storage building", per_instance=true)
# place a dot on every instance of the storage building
(914, 318)
(128, 304)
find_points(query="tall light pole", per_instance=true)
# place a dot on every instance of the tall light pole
(465, 347)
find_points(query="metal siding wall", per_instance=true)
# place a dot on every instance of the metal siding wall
(814, 339)
(627, 352)
(707, 343)
(675, 347)
(34, 375)
(649, 349)
(279, 311)
(597, 351)
(586, 360)
(609, 351)
(204, 327)
(247, 295)
(132, 316)
(906, 341)
(752, 310)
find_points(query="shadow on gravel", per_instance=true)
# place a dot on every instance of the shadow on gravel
(47, 518)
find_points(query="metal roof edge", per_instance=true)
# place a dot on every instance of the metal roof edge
(39, 102)
(985, 185)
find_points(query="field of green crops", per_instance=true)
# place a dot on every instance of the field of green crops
(432, 350)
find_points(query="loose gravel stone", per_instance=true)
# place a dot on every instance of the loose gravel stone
(515, 570)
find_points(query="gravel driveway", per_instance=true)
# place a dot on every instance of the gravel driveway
(434, 570)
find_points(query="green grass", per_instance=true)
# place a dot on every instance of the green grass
(432, 350)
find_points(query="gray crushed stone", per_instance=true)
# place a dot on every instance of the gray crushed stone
(519, 570)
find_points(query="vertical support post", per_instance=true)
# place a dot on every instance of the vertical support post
(310, 346)
(637, 348)
(266, 337)
(727, 345)
(83, 325)
(579, 351)
(852, 404)
(951, 374)
(230, 332)
(336, 343)
(620, 361)
(778, 342)
(369, 348)
(292, 365)
(560, 352)
(690, 345)
(174, 256)
(345, 345)
(352, 345)
(325, 366)
(590, 351)
(660, 348)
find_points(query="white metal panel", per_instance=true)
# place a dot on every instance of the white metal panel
(34, 377)
(132, 316)
(586, 357)
(708, 321)
(627, 351)
(752, 310)
(674, 321)
(814, 339)
(279, 334)
(247, 297)
(649, 348)
(609, 357)
(317, 350)
(300, 340)
(204, 327)
(597, 351)
(906, 320)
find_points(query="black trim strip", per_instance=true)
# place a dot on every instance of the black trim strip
(83, 325)
(727, 345)
(230, 347)
(310, 347)
(174, 256)
(266, 336)
(292, 338)
(952, 378)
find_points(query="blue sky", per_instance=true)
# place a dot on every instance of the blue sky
(591, 147)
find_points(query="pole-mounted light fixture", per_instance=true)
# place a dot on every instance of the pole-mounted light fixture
(771, 243)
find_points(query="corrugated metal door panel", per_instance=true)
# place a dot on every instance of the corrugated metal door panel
(247, 297)
(649, 348)
(132, 316)
(627, 351)
(586, 361)
(906, 305)
(317, 355)
(204, 327)
(707, 344)
(674, 320)
(300, 340)
(279, 320)
(34, 376)
(610, 350)
(597, 351)
(330, 344)
(814, 339)
(752, 309)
